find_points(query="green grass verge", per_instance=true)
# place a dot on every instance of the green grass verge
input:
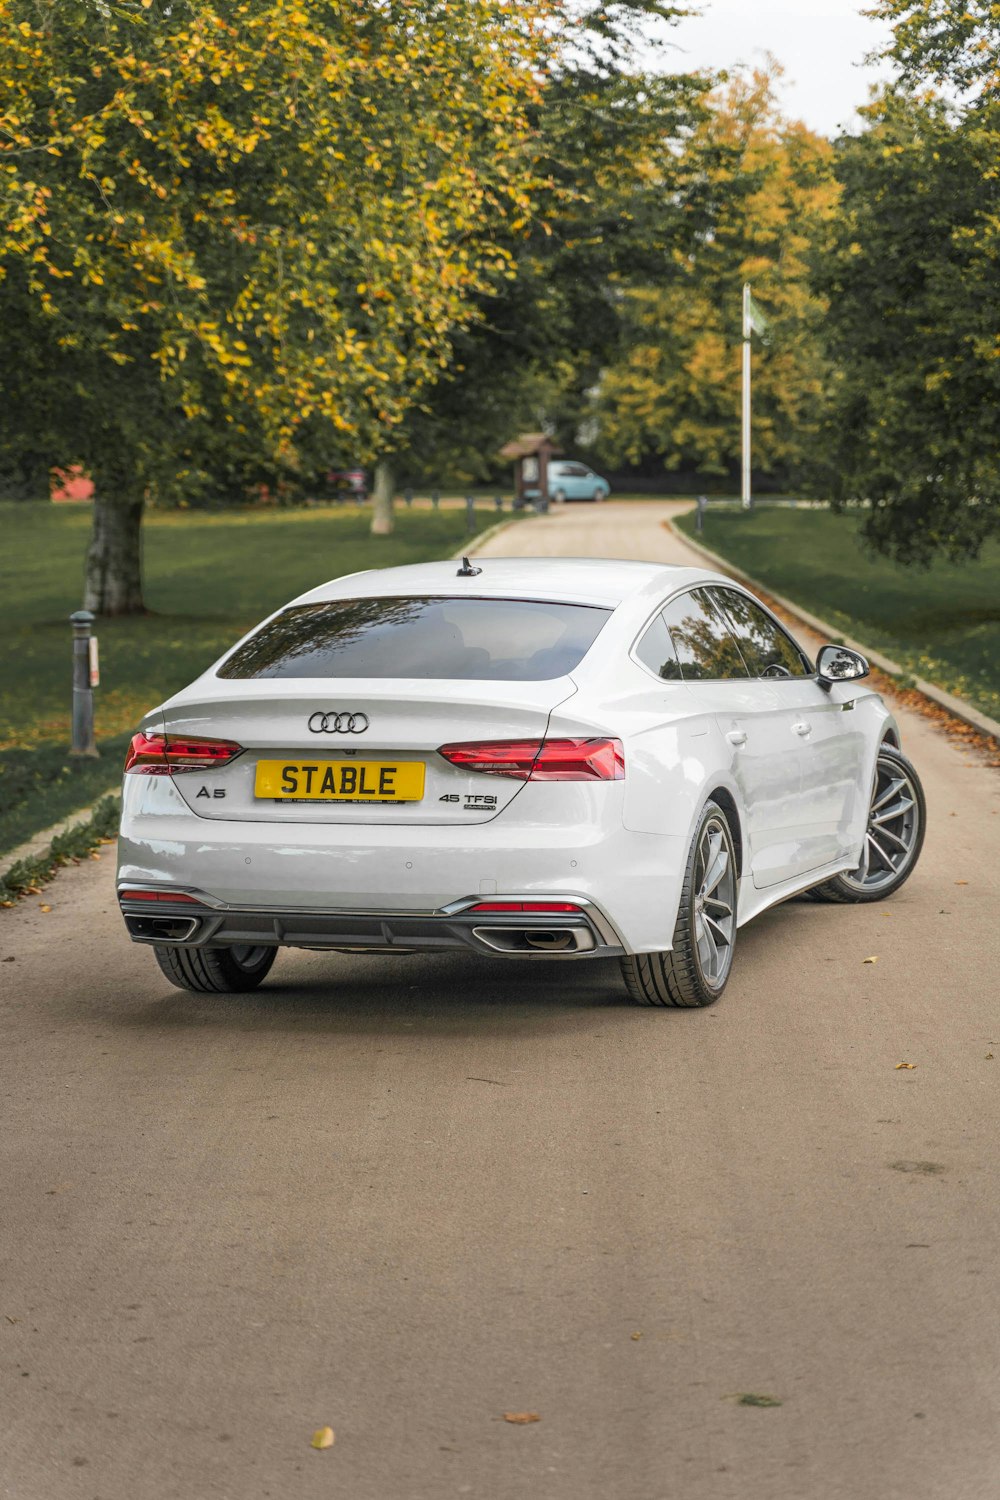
(942, 624)
(209, 578)
(28, 875)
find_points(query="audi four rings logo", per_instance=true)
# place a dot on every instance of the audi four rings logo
(321, 723)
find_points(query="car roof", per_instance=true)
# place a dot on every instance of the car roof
(582, 580)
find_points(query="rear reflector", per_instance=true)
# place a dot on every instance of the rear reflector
(166, 754)
(529, 906)
(541, 760)
(159, 896)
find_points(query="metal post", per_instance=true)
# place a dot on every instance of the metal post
(435, 499)
(408, 497)
(470, 514)
(82, 742)
(699, 520)
(745, 495)
(498, 502)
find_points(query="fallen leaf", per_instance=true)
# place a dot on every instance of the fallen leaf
(521, 1417)
(636, 1337)
(322, 1438)
(752, 1398)
(44, 908)
(989, 1056)
(873, 959)
(905, 1065)
(961, 882)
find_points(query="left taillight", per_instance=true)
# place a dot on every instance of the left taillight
(167, 754)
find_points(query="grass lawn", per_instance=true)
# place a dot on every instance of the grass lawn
(208, 579)
(942, 624)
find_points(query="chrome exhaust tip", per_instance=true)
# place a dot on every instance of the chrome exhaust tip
(549, 942)
(502, 939)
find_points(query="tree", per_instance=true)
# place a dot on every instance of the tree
(603, 161)
(913, 282)
(956, 42)
(758, 193)
(243, 235)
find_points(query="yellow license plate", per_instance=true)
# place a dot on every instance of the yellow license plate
(340, 780)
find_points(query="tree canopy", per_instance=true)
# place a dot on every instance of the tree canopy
(243, 233)
(757, 197)
(913, 283)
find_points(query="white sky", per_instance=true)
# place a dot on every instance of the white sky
(821, 43)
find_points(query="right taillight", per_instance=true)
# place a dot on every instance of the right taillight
(541, 760)
(166, 754)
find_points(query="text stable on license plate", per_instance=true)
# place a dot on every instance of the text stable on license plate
(340, 780)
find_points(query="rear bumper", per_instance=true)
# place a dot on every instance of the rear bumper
(557, 848)
(586, 934)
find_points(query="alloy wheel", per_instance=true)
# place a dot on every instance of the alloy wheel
(715, 901)
(892, 836)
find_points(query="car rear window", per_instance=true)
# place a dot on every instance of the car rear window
(508, 640)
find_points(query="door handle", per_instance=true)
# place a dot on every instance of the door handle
(737, 736)
(802, 729)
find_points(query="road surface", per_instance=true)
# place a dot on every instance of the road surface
(731, 1254)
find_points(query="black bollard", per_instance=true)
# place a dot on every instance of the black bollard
(84, 679)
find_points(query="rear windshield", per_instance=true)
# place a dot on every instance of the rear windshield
(509, 640)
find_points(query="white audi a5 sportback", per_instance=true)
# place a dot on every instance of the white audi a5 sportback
(536, 758)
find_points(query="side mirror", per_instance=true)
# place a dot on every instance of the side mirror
(839, 664)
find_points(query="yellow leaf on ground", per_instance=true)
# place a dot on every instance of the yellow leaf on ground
(636, 1336)
(961, 882)
(872, 960)
(323, 1437)
(44, 908)
(905, 1065)
(521, 1417)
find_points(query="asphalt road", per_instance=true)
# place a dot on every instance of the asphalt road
(404, 1196)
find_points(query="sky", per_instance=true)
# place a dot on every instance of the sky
(821, 43)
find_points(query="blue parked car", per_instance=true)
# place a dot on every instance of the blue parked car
(569, 480)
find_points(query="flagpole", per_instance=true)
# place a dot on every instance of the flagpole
(745, 495)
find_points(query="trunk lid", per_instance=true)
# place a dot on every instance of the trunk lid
(395, 724)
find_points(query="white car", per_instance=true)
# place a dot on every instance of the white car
(535, 758)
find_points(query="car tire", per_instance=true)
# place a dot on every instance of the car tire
(894, 835)
(600, 494)
(558, 497)
(216, 971)
(687, 976)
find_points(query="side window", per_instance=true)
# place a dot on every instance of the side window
(574, 471)
(766, 647)
(703, 642)
(656, 651)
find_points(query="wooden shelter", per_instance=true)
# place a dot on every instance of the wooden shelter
(530, 454)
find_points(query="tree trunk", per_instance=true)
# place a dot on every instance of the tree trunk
(113, 584)
(382, 517)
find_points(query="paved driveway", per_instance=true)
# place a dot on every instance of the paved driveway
(731, 1254)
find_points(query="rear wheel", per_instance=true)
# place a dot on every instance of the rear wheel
(226, 971)
(696, 971)
(894, 836)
